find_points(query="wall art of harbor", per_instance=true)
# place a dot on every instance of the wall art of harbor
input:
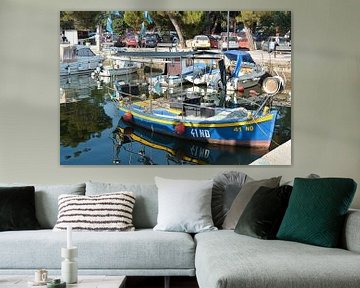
(175, 88)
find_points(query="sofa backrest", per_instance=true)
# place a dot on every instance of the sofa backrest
(46, 200)
(146, 203)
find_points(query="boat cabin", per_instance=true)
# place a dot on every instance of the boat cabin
(72, 52)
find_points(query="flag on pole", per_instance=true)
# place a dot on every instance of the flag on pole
(148, 17)
(117, 13)
(109, 25)
(142, 30)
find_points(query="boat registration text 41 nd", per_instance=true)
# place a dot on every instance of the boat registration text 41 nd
(248, 128)
(204, 133)
(200, 133)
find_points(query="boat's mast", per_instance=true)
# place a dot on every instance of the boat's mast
(227, 29)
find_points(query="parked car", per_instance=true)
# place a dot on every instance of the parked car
(243, 41)
(107, 37)
(156, 34)
(169, 37)
(201, 42)
(233, 42)
(215, 41)
(174, 37)
(258, 38)
(120, 42)
(131, 41)
(279, 44)
(149, 40)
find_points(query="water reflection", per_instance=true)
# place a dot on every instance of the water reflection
(81, 121)
(146, 147)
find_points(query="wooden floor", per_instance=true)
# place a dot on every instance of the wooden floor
(158, 282)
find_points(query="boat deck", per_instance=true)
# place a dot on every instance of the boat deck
(161, 107)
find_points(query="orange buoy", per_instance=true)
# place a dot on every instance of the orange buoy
(241, 89)
(127, 117)
(180, 128)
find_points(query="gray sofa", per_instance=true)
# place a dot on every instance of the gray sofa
(218, 258)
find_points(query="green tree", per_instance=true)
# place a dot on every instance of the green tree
(275, 22)
(186, 23)
(134, 19)
(282, 20)
(194, 22)
(66, 21)
(250, 19)
(119, 25)
(174, 17)
(80, 20)
(213, 21)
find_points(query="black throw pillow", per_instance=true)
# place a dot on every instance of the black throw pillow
(17, 208)
(263, 214)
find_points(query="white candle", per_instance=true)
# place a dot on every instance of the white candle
(69, 239)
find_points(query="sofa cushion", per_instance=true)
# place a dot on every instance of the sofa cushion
(105, 212)
(184, 205)
(243, 198)
(351, 237)
(17, 208)
(317, 209)
(225, 259)
(46, 200)
(263, 215)
(137, 250)
(226, 187)
(146, 205)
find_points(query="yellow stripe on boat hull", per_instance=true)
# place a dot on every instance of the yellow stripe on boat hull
(202, 125)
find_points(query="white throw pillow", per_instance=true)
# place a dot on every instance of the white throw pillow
(105, 212)
(184, 205)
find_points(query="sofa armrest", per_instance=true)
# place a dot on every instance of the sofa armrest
(351, 234)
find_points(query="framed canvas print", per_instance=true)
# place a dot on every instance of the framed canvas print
(175, 87)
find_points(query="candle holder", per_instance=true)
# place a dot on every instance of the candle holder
(69, 265)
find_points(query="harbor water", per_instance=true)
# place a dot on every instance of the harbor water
(92, 133)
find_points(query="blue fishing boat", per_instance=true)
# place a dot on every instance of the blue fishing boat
(172, 150)
(193, 120)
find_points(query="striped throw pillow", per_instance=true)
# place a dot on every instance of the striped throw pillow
(105, 212)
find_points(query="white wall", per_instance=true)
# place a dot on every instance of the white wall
(326, 91)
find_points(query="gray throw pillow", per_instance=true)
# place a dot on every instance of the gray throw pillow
(226, 187)
(184, 205)
(242, 199)
(310, 176)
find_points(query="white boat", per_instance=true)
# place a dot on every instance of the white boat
(120, 67)
(242, 72)
(202, 77)
(78, 59)
(169, 81)
(192, 72)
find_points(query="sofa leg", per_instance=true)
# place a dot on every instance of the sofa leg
(167, 282)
